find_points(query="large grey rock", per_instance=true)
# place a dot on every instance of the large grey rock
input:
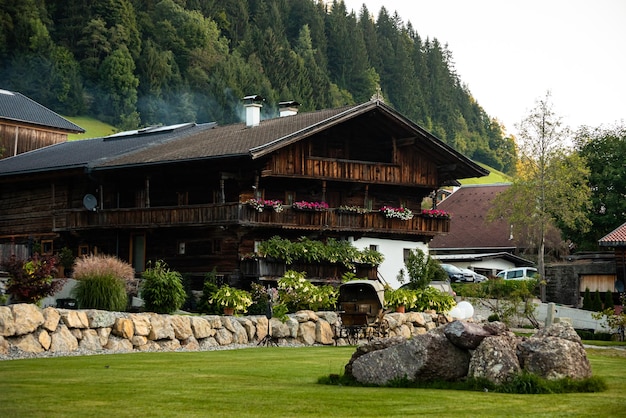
(464, 334)
(495, 359)
(100, 319)
(426, 357)
(90, 341)
(554, 358)
(560, 330)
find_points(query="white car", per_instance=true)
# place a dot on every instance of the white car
(519, 273)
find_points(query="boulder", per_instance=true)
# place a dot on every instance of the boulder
(330, 316)
(169, 345)
(74, 319)
(160, 327)
(324, 332)
(182, 327)
(306, 333)
(223, 336)
(554, 358)
(561, 330)
(27, 343)
(495, 359)
(26, 318)
(103, 335)
(118, 344)
(141, 323)
(248, 325)
(90, 341)
(124, 328)
(7, 324)
(190, 344)
(201, 327)
(262, 324)
(426, 357)
(63, 340)
(51, 318)
(44, 339)
(305, 316)
(139, 341)
(464, 334)
(279, 329)
(100, 319)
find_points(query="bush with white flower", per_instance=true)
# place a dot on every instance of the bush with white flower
(398, 213)
(230, 297)
(260, 204)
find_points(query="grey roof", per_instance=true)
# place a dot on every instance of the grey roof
(91, 152)
(188, 142)
(18, 108)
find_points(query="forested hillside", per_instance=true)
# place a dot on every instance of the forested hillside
(143, 62)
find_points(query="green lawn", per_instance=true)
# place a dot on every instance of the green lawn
(93, 128)
(264, 382)
(494, 177)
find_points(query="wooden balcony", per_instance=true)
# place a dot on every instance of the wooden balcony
(244, 215)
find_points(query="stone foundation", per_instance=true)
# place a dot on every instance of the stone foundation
(26, 328)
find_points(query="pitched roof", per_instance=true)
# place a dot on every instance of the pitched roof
(189, 142)
(469, 228)
(615, 238)
(18, 108)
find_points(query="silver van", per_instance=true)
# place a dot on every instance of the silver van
(518, 273)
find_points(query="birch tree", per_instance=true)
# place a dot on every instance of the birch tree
(551, 185)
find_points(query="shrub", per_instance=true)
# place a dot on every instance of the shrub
(596, 305)
(229, 297)
(209, 287)
(106, 265)
(103, 282)
(297, 293)
(32, 280)
(105, 292)
(608, 300)
(162, 289)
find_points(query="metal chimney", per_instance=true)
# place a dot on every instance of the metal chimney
(253, 110)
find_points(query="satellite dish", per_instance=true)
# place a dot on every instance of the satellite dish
(90, 202)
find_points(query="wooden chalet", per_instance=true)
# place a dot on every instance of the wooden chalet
(25, 125)
(179, 193)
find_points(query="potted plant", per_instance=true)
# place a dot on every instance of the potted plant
(402, 213)
(232, 300)
(66, 262)
(400, 299)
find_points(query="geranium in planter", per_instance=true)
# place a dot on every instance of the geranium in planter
(313, 206)
(230, 298)
(435, 213)
(398, 213)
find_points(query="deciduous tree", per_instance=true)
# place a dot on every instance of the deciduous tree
(552, 182)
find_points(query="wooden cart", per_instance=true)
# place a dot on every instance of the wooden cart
(361, 308)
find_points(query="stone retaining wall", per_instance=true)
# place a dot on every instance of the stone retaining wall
(27, 328)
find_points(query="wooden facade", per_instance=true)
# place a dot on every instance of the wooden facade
(193, 212)
(18, 138)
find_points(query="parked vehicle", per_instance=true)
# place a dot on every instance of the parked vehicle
(475, 277)
(519, 273)
(442, 287)
(454, 273)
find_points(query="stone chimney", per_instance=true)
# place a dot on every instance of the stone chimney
(288, 108)
(253, 110)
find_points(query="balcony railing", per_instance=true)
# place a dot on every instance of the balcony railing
(242, 214)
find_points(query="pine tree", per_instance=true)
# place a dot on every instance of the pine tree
(608, 300)
(597, 302)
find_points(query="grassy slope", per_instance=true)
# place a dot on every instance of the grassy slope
(264, 382)
(494, 176)
(93, 128)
